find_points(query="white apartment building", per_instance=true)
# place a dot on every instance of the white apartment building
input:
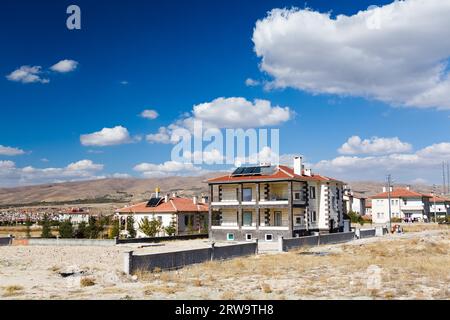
(354, 203)
(266, 202)
(440, 206)
(405, 204)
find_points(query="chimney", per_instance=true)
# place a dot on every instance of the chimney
(204, 199)
(408, 187)
(166, 198)
(298, 165)
(308, 172)
(392, 188)
(174, 194)
(157, 190)
(194, 200)
(384, 189)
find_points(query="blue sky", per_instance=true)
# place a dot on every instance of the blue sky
(169, 56)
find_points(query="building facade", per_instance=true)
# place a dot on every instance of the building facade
(266, 202)
(187, 215)
(406, 204)
(439, 206)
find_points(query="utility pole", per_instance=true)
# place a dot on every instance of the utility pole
(448, 177)
(434, 201)
(389, 199)
(444, 185)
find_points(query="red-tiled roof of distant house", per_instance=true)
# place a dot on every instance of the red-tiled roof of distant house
(174, 205)
(438, 199)
(281, 173)
(400, 193)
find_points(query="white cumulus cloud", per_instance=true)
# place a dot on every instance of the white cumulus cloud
(64, 66)
(397, 53)
(374, 145)
(168, 168)
(11, 175)
(149, 114)
(10, 151)
(106, 137)
(27, 74)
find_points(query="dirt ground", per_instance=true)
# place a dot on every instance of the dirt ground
(413, 265)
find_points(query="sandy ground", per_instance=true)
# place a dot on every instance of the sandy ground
(408, 266)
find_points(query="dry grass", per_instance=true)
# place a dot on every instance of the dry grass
(87, 282)
(418, 227)
(12, 290)
(266, 288)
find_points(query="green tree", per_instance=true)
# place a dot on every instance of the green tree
(46, 227)
(66, 229)
(150, 227)
(28, 224)
(130, 227)
(81, 231)
(171, 229)
(92, 228)
(115, 230)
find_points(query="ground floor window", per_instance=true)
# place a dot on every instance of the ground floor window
(230, 236)
(189, 220)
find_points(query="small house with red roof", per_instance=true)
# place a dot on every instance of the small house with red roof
(187, 215)
(405, 204)
(266, 202)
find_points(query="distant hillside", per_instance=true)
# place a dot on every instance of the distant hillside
(133, 190)
(101, 191)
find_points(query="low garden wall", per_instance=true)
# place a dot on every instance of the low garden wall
(5, 241)
(178, 259)
(292, 243)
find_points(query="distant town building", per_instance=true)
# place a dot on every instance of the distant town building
(75, 215)
(265, 202)
(368, 211)
(187, 215)
(405, 204)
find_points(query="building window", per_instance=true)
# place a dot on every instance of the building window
(314, 216)
(230, 236)
(298, 220)
(188, 220)
(247, 194)
(247, 219)
(248, 236)
(380, 215)
(312, 192)
(277, 218)
(268, 237)
(297, 195)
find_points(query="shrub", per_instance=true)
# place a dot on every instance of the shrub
(46, 228)
(114, 231)
(130, 227)
(87, 282)
(81, 231)
(150, 227)
(171, 229)
(66, 229)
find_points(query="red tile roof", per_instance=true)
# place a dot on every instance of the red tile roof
(174, 205)
(281, 173)
(400, 193)
(438, 199)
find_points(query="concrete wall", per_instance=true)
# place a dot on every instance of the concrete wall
(300, 242)
(178, 259)
(5, 241)
(336, 237)
(365, 233)
(68, 242)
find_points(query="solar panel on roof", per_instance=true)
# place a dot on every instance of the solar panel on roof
(153, 202)
(238, 171)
